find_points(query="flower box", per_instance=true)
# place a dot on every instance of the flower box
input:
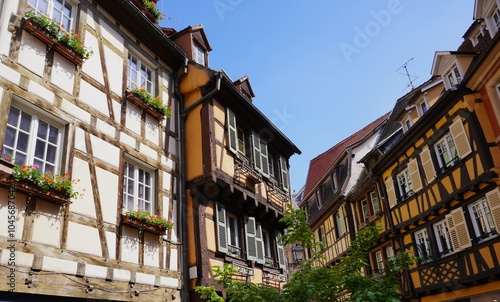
(30, 188)
(50, 32)
(133, 97)
(153, 17)
(5, 169)
(141, 225)
(69, 53)
(38, 31)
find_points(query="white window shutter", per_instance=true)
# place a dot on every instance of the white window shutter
(416, 181)
(250, 233)
(259, 244)
(284, 173)
(232, 132)
(458, 230)
(257, 157)
(493, 198)
(460, 138)
(221, 228)
(391, 195)
(425, 157)
(265, 157)
(280, 250)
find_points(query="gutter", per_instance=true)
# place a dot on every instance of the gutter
(181, 210)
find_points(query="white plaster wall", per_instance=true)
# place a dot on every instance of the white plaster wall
(47, 221)
(20, 204)
(152, 130)
(83, 205)
(359, 151)
(41, 91)
(83, 238)
(111, 242)
(127, 140)
(10, 74)
(75, 111)
(105, 128)
(130, 244)
(63, 73)
(174, 256)
(117, 109)
(94, 97)
(9, 7)
(115, 74)
(151, 250)
(148, 151)
(32, 53)
(92, 66)
(108, 192)
(105, 151)
(133, 118)
(112, 36)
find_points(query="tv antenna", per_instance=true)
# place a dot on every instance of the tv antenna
(407, 73)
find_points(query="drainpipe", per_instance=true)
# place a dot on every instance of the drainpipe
(182, 210)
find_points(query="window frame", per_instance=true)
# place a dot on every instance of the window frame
(199, 55)
(365, 210)
(66, 26)
(37, 116)
(376, 209)
(137, 82)
(137, 167)
(491, 203)
(454, 76)
(405, 189)
(444, 141)
(421, 237)
(444, 242)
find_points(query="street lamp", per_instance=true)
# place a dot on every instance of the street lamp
(298, 253)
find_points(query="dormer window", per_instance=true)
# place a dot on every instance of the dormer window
(496, 17)
(454, 77)
(198, 55)
(407, 123)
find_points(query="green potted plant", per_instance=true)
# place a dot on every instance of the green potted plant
(144, 220)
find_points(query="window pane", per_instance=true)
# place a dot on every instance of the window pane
(13, 116)
(10, 137)
(53, 134)
(51, 154)
(22, 142)
(40, 150)
(25, 122)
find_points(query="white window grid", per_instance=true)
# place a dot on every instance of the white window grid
(482, 219)
(62, 11)
(138, 188)
(198, 55)
(375, 202)
(443, 239)
(32, 141)
(139, 74)
(423, 245)
(233, 242)
(404, 184)
(446, 151)
(241, 141)
(454, 76)
(380, 260)
(365, 210)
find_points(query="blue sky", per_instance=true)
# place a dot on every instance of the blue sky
(321, 71)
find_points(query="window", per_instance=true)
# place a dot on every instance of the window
(483, 220)
(496, 17)
(379, 260)
(138, 188)
(198, 55)
(423, 246)
(241, 141)
(404, 184)
(389, 251)
(443, 239)
(139, 74)
(340, 223)
(446, 152)
(423, 106)
(364, 210)
(59, 10)
(271, 165)
(260, 154)
(407, 123)
(454, 77)
(453, 146)
(375, 202)
(233, 242)
(32, 140)
(269, 260)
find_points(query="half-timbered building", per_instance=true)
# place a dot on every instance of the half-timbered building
(440, 178)
(87, 139)
(237, 174)
(332, 182)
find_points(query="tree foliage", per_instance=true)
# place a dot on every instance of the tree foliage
(346, 280)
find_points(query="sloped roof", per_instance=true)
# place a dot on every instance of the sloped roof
(321, 164)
